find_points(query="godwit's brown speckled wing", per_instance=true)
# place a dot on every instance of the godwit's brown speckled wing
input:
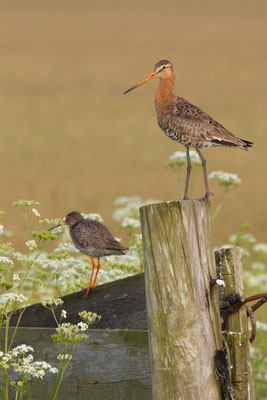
(93, 234)
(189, 125)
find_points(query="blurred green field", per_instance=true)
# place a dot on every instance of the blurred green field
(72, 141)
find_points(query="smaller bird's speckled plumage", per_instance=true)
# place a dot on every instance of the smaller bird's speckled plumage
(91, 237)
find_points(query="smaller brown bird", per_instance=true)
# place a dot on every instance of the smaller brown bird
(93, 239)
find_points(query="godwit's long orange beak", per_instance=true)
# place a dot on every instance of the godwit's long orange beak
(152, 76)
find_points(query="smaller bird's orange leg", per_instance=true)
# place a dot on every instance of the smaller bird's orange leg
(98, 267)
(91, 279)
(189, 167)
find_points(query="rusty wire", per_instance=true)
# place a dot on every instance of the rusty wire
(235, 302)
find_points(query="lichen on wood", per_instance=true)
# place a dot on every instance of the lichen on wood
(236, 335)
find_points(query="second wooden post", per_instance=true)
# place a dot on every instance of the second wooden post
(183, 311)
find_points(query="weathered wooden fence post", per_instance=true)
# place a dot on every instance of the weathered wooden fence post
(236, 335)
(183, 311)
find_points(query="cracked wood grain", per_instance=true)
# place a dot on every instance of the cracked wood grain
(183, 310)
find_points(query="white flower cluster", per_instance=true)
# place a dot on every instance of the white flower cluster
(89, 317)
(63, 314)
(138, 237)
(179, 157)
(130, 259)
(26, 203)
(5, 260)
(260, 373)
(16, 277)
(246, 237)
(1, 229)
(82, 326)
(31, 244)
(93, 216)
(258, 266)
(29, 369)
(260, 247)
(36, 213)
(10, 298)
(225, 178)
(128, 207)
(20, 257)
(130, 223)
(69, 273)
(123, 201)
(256, 280)
(66, 248)
(21, 361)
(21, 349)
(117, 267)
(4, 358)
(244, 252)
(52, 303)
(64, 357)
(69, 333)
(261, 325)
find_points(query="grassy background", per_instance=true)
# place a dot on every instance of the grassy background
(71, 140)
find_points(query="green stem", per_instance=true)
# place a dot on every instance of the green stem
(28, 390)
(6, 334)
(27, 224)
(5, 385)
(16, 328)
(54, 315)
(61, 372)
(30, 262)
(219, 205)
(1, 321)
(34, 383)
(57, 384)
(41, 248)
(5, 380)
(20, 286)
(13, 383)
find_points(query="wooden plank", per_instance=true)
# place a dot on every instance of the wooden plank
(183, 310)
(120, 303)
(111, 364)
(236, 335)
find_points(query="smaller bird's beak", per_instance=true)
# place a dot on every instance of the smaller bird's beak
(152, 76)
(56, 226)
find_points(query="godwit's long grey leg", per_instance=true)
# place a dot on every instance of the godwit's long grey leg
(189, 167)
(208, 193)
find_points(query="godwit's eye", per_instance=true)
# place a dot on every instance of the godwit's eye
(163, 67)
